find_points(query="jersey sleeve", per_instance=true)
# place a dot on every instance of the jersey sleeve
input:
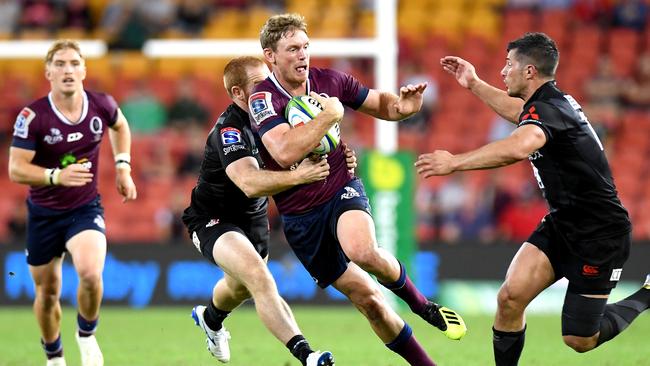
(543, 116)
(110, 106)
(231, 144)
(352, 92)
(25, 132)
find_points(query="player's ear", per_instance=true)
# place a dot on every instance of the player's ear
(238, 93)
(269, 55)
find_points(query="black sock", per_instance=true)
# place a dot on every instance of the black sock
(214, 317)
(54, 349)
(508, 346)
(299, 348)
(620, 314)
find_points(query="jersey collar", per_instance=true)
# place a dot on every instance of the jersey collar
(64, 119)
(283, 90)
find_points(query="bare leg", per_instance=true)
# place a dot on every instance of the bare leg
(88, 252)
(47, 308)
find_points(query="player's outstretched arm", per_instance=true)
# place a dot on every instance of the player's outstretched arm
(391, 107)
(497, 99)
(256, 182)
(524, 141)
(120, 136)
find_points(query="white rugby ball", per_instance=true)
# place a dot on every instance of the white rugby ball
(301, 110)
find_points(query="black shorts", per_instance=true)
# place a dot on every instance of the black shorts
(591, 266)
(49, 230)
(312, 235)
(204, 235)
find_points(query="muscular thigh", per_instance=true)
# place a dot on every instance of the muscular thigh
(530, 272)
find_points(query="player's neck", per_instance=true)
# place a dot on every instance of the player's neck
(533, 87)
(68, 104)
(293, 88)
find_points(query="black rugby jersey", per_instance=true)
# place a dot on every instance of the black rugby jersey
(215, 195)
(572, 169)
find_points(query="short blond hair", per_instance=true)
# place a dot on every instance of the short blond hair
(59, 45)
(235, 74)
(279, 26)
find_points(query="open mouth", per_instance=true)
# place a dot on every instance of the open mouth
(301, 69)
(68, 80)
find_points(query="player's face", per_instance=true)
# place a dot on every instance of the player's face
(66, 72)
(513, 75)
(255, 75)
(291, 57)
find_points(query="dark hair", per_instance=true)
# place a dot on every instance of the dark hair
(539, 50)
(279, 26)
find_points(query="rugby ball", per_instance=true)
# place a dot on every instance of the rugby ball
(301, 110)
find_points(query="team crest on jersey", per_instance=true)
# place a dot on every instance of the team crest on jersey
(54, 137)
(349, 193)
(96, 128)
(21, 127)
(230, 135)
(261, 106)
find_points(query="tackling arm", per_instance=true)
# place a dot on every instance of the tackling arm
(391, 107)
(256, 182)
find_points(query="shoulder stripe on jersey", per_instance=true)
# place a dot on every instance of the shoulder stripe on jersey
(24, 144)
(283, 90)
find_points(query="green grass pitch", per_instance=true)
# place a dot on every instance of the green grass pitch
(167, 336)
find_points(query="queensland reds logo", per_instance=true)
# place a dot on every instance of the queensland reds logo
(96, 127)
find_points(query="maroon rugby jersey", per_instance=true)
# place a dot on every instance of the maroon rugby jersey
(59, 142)
(267, 105)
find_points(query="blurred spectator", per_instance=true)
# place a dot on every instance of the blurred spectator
(40, 15)
(9, 14)
(168, 219)
(190, 162)
(186, 110)
(603, 95)
(500, 129)
(144, 111)
(592, 11)
(158, 164)
(157, 15)
(522, 215)
(412, 73)
(192, 16)
(631, 14)
(636, 91)
(76, 15)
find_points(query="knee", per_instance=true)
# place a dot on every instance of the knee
(508, 299)
(48, 294)
(259, 281)
(89, 278)
(367, 258)
(580, 344)
(371, 304)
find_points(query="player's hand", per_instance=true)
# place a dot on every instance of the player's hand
(350, 158)
(75, 175)
(439, 162)
(410, 99)
(312, 169)
(332, 106)
(125, 186)
(463, 71)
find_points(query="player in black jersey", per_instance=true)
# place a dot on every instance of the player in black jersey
(586, 235)
(227, 220)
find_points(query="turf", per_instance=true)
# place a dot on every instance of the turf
(167, 336)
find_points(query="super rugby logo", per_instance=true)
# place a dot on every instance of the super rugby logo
(230, 135)
(261, 106)
(21, 127)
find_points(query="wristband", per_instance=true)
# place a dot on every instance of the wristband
(52, 176)
(123, 158)
(122, 164)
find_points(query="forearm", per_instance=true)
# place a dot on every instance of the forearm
(493, 155)
(298, 142)
(388, 108)
(33, 175)
(498, 100)
(260, 183)
(120, 139)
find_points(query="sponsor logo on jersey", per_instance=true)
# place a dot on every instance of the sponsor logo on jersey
(616, 274)
(590, 271)
(261, 106)
(21, 127)
(212, 223)
(349, 193)
(230, 135)
(54, 137)
(75, 136)
(99, 221)
(536, 155)
(233, 148)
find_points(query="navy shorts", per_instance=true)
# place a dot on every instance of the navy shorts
(49, 230)
(312, 235)
(204, 235)
(592, 266)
